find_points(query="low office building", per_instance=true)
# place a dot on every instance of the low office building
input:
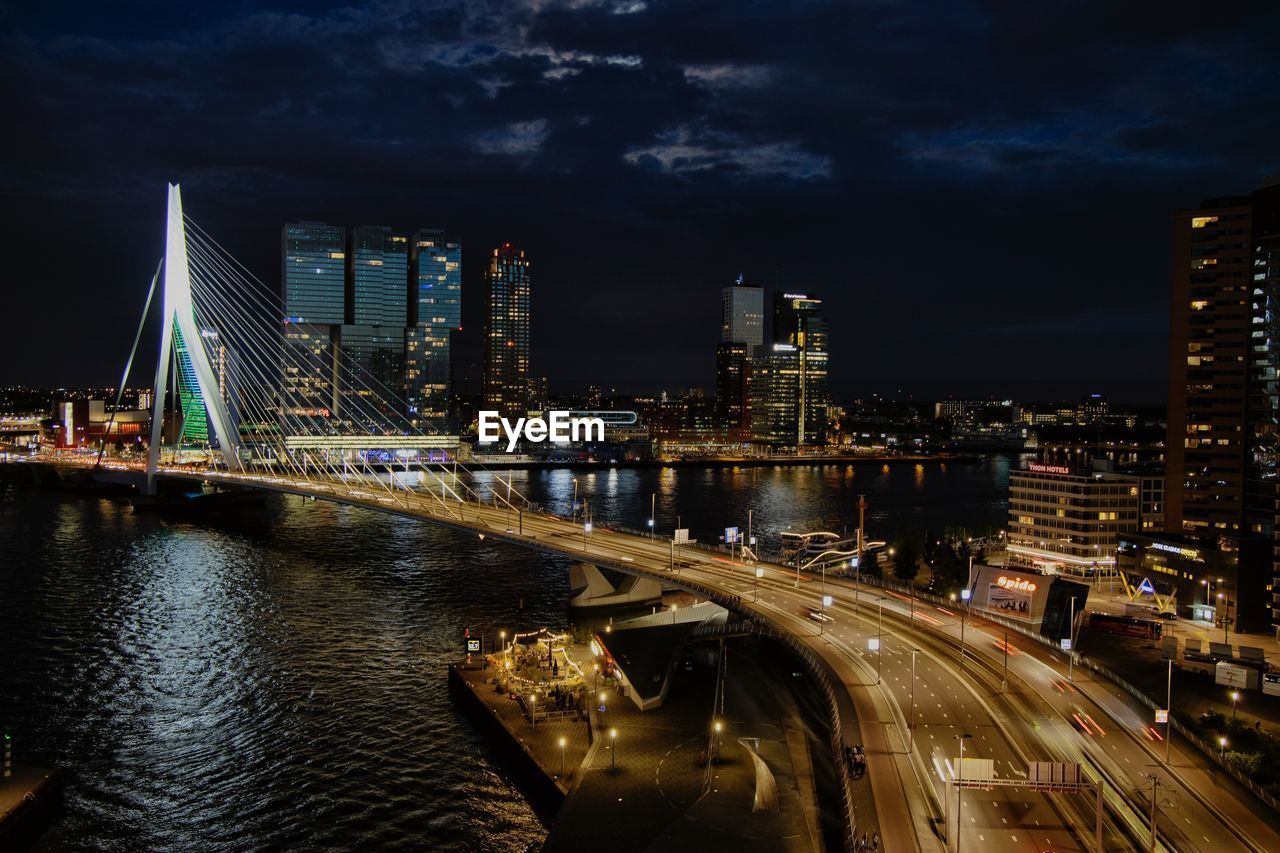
(1065, 520)
(1206, 582)
(1042, 601)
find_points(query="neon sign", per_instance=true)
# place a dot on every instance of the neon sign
(1017, 584)
(1048, 469)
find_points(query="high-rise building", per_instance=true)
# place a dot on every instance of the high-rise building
(733, 386)
(1208, 369)
(1224, 366)
(435, 313)
(313, 288)
(378, 265)
(743, 309)
(789, 377)
(506, 332)
(367, 315)
(741, 331)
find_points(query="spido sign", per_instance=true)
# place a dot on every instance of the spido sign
(558, 428)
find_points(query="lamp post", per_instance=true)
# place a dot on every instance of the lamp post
(1071, 652)
(573, 509)
(562, 743)
(1168, 710)
(1235, 700)
(716, 728)
(653, 510)
(502, 635)
(750, 543)
(911, 721)
(879, 635)
(960, 787)
(613, 749)
(759, 574)
(1222, 747)
(603, 708)
(822, 622)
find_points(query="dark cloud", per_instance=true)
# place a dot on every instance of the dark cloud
(981, 191)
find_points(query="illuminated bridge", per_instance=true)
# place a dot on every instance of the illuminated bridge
(255, 402)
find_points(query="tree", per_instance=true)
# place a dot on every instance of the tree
(907, 548)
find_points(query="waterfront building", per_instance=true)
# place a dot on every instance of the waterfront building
(313, 290)
(435, 313)
(368, 314)
(506, 332)
(733, 386)
(1066, 520)
(789, 402)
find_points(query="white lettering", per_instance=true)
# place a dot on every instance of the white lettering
(488, 427)
(594, 427)
(559, 427)
(513, 435)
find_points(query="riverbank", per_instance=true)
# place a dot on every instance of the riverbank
(30, 801)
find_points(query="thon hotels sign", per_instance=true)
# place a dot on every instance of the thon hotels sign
(559, 427)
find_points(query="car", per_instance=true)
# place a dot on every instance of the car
(1169, 616)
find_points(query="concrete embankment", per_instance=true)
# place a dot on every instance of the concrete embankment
(30, 801)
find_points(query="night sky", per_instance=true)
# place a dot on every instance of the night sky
(981, 192)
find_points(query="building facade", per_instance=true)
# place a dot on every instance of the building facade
(435, 313)
(368, 316)
(1064, 520)
(790, 405)
(506, 332)
(1223, 449)
(743, 310)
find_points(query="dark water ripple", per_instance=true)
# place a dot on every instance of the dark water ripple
(277, 681)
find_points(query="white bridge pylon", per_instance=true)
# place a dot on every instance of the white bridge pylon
(177, 310)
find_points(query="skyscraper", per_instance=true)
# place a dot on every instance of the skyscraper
(741, 331)
(1221, 455)
(743, 308)
(367, 315)
(789, 377)
(506, 332)
(313, 288)
(1208, 370)
(435, 313)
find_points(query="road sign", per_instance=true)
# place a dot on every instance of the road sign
(682, 536)
(473, 645)
(587, 527)
(1065, 643)
(873, 644)
(1146, 587)
(1162, 716)
(1053, 774)
(730, 535)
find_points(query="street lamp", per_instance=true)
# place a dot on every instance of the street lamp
(613, 749)
(1235, 700)
(502, 635)
(1222, 747)
(653, 511)
(759, 574)
(716, 727)
(562, 743)
(573, 510)
(960, 786)
(911, 721)
(822, 622)
(603, 708)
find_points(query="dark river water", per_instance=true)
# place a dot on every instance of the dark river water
(278, 681)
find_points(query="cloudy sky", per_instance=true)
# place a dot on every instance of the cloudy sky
(980, 191)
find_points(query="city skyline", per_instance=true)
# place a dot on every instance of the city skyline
(602, 135)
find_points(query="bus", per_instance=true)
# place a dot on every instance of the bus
(1128, 626)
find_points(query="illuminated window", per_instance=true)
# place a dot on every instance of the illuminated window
(1199, 304)
(1202, 221)
(1203, 263)
(1193, 360)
